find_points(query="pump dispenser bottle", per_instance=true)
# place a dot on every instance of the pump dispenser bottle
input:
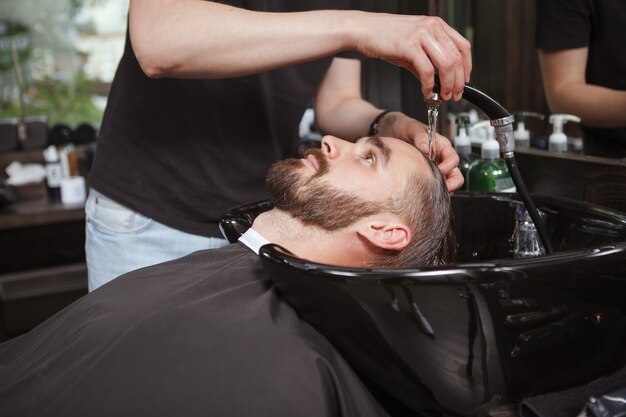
(463, 147)
(558, 139)
(478, 131)
(54, 172)
(521, 135)
(490, 173)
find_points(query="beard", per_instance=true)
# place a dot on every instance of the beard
(311, 199)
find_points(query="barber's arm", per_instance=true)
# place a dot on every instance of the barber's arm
(206, 39)
(340, 110)
(567, 90)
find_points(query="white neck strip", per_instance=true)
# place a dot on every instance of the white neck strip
(253, 240)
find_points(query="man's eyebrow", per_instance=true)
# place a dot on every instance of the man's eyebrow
(385, 151)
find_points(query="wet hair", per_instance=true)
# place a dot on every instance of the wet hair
(424, 205)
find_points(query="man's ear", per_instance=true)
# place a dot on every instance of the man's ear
(391, 235)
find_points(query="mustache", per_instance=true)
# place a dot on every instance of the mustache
(320, 158)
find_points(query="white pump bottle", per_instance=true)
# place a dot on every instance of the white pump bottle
(478, 132)
(558, 139)
(522, 135)
(462, 142)
(490, 148)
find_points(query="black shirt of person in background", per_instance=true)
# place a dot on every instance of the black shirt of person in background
(599, 25)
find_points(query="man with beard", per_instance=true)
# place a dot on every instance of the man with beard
(209, 334)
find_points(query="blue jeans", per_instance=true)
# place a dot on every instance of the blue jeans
(119, 240)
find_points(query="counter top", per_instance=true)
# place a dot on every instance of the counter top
(580, 177)
(38, 212)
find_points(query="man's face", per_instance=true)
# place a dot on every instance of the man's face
(342, 182)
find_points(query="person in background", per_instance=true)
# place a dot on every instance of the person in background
(209, 334)
(208, 95)
(583, 65)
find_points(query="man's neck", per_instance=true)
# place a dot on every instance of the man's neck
(305, 241)
(282, 229)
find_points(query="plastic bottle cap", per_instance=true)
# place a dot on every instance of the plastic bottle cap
(462, 143)
(490, 149)
(558, 142)
(50, 154)
(521, 132)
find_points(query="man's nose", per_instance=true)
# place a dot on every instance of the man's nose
(333, 146)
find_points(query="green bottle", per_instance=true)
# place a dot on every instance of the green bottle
(463, 147)
(490, 173)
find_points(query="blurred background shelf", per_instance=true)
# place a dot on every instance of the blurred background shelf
(42, 262)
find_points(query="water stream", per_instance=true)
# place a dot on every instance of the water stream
(433, 114)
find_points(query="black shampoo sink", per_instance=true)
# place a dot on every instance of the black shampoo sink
(487, 330)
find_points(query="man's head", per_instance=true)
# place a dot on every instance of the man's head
(380, 200)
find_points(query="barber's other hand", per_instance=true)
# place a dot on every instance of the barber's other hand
(403, 127)
(447, 160)
(420, 44)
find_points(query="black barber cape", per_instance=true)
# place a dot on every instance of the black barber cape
(204, 335)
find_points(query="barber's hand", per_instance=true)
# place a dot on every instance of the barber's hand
(420, 44)
(403, 127)
(447, 160)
